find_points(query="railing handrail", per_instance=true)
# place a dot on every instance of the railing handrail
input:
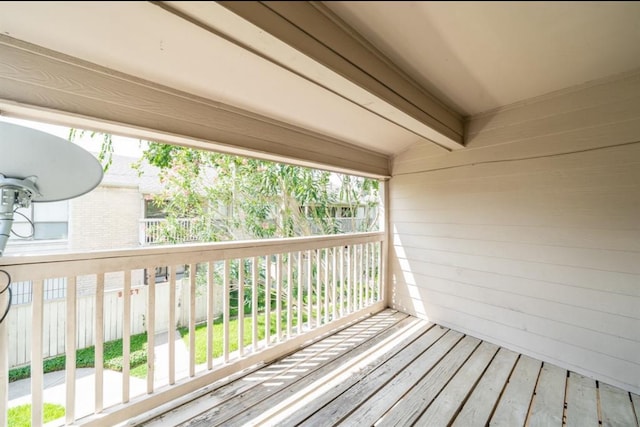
(157, 220)
(39, 266)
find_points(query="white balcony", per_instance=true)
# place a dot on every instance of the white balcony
(305, 286)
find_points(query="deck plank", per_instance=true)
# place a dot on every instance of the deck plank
(413, 404)
(446, 405)
(304, 395)
(478, 407)
(327, 407)
(382, 399)
(582, 401)
(393, 369)
(291, 369)
(218, 394)
(616, 407)
(514, 403)
(548, 404)
(364, 389)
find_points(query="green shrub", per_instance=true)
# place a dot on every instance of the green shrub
(85, 358)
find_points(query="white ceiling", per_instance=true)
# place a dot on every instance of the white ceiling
(473, 56)
(476, 56)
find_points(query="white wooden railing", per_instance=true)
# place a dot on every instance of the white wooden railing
(157, 231)
(305, 286)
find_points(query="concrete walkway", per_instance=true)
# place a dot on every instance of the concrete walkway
(55, 387)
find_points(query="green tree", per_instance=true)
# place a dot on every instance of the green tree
(235, 198)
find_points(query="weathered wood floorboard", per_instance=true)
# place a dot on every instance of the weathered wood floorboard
(392, 369)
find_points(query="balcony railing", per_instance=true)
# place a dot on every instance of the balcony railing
(158, 231)
(278, 293)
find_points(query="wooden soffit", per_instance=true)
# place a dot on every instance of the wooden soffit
(357, 67)
(39, 83)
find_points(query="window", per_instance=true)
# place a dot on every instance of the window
(50, 221)
(22, 292)
(152, 210)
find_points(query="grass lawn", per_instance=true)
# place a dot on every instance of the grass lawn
(20, 416)
(201, 334)
(85, 358)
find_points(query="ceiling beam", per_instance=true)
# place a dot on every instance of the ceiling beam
(314, 31)
(34, 79)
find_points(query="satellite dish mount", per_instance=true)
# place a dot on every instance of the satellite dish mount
(39, 167)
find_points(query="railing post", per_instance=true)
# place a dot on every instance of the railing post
(99, 344)
(70, 348)
(37, 375)
(267, 300)
(151, 327)
(171, 327)
(225, 311)
(126, 336)
(289, 293)
(4, 360)
(254, 303)
(384, 274)
(278, 297)
(241, 307)
(210, 307)
(192, 319)
(300, 284)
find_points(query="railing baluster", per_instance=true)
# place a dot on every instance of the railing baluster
(192, 319)
(349, 277)
(126, 335)
(342, 281)
(359, 259)
(241, 307)
(300, 292)
(289, 294)
(367, 248)
(171, 327)
(356, 277)
(37, 375)
(267, 300)
(99, 345)
(151, 327)
(380, 271)
(210, 307)
(309, 293)
(70, 350)
(326, 285)
(4, 357)
(254, 304)
(318, 287)
(225, 310)
(334, 285)
(278, 297)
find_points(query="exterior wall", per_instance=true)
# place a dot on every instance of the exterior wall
(541, 254)
(118, 210)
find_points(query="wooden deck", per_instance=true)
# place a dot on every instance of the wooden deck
(392, 369)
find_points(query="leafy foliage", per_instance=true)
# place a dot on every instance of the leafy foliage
(236, 198)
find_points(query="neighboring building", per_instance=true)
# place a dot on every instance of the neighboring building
(106, 218)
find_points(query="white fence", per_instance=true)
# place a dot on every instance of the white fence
(293, 291)
(54, 319)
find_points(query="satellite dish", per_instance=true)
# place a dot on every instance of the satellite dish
(39, 167)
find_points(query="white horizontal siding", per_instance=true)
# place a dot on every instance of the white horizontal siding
(530, 237)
